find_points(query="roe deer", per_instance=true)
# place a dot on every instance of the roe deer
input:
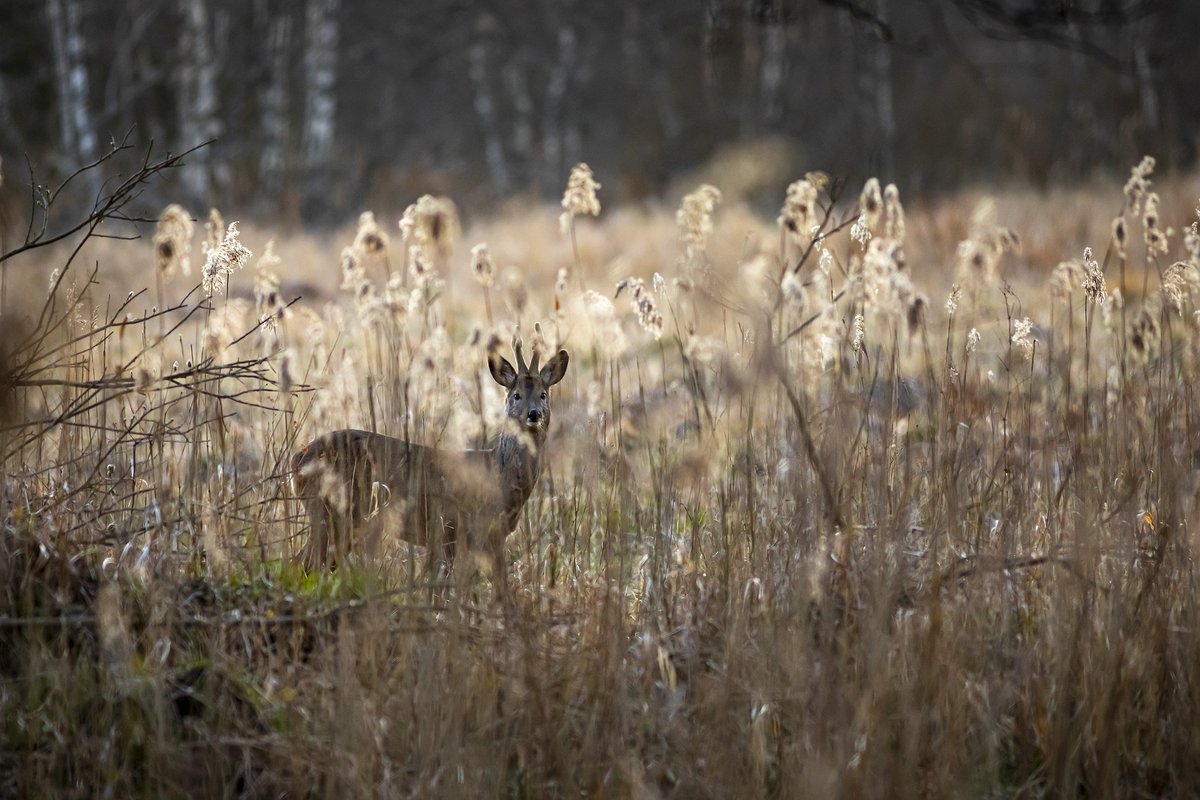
(346, 478)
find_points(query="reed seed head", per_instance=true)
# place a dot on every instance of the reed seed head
(694, 219)
(860, 231)
(432, 224)
(1120, 236)
(1022, 336)
(267, 298)
(482, 265)
(794, 291)
(1156, 237)
(214, 229)
(580, 195)
(352, 270)
(1138, 184)
(799, 213)
(173, 241)
(225, 259)
(952, 299)
(871, 204)
(643, 304)
(1093, 280)
(973, 338)
(893, 213)
(370, 239)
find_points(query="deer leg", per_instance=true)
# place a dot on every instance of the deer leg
(314, 554)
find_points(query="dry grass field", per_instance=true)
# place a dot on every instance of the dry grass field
(849, 503)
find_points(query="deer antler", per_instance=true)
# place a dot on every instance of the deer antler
(538, 343)
(522, 369)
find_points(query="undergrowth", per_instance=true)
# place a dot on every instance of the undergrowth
(806, 530)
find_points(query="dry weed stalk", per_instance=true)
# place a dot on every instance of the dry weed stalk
(777, 547)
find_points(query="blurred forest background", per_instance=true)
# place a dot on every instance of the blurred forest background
(323, 107)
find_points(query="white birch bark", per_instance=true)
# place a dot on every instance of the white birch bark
(320, 76)
(554, 126)
(70, 70)
(198, 121)
(1144, 71)
(274, 108)
(771, 69)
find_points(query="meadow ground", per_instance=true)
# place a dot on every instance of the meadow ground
(848, 503)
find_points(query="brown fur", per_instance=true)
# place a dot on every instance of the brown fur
(353, 481)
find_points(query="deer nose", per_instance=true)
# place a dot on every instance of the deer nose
(534, 416)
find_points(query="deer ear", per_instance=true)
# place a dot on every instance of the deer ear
(555, 368)
(502, 371)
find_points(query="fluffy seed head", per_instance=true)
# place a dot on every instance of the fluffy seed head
(432, 224)
(1093, 280)
(871, 203)
(482, 266)
(1120, 236)
(580, 195)
(370, 239)
(893, 213)
(793, 290)
(799, 213)
(1156, 238)
(173, 241)
(642, 301)
(694, 219)
(223, 260)
(267, 298)
(952, 299)
(214, 230)
(860, 231)
(352, 271)
(1138, 184)
(1022, 336)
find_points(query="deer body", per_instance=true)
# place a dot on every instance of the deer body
(351, 480)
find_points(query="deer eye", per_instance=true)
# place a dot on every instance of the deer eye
(516, 395)
(544, 395)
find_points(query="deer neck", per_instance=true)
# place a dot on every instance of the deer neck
(518, 464)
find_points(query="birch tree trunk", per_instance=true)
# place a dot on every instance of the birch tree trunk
(320, 99)
(1144, 71)
(198, 120)
(274, 108)
(77, 136)
(554, 123)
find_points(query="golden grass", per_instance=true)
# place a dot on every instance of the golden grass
(778, 552)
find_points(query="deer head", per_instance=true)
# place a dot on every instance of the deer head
(528, 401)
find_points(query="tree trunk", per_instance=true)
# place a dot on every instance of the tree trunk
(320, 101)
(78, 138)
(885, 106)
(198, 120)
(1144, 71)
(11, 139)
(771, 70)
(554, 132)
(274, 108)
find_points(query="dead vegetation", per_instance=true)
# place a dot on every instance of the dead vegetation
(813, 522)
